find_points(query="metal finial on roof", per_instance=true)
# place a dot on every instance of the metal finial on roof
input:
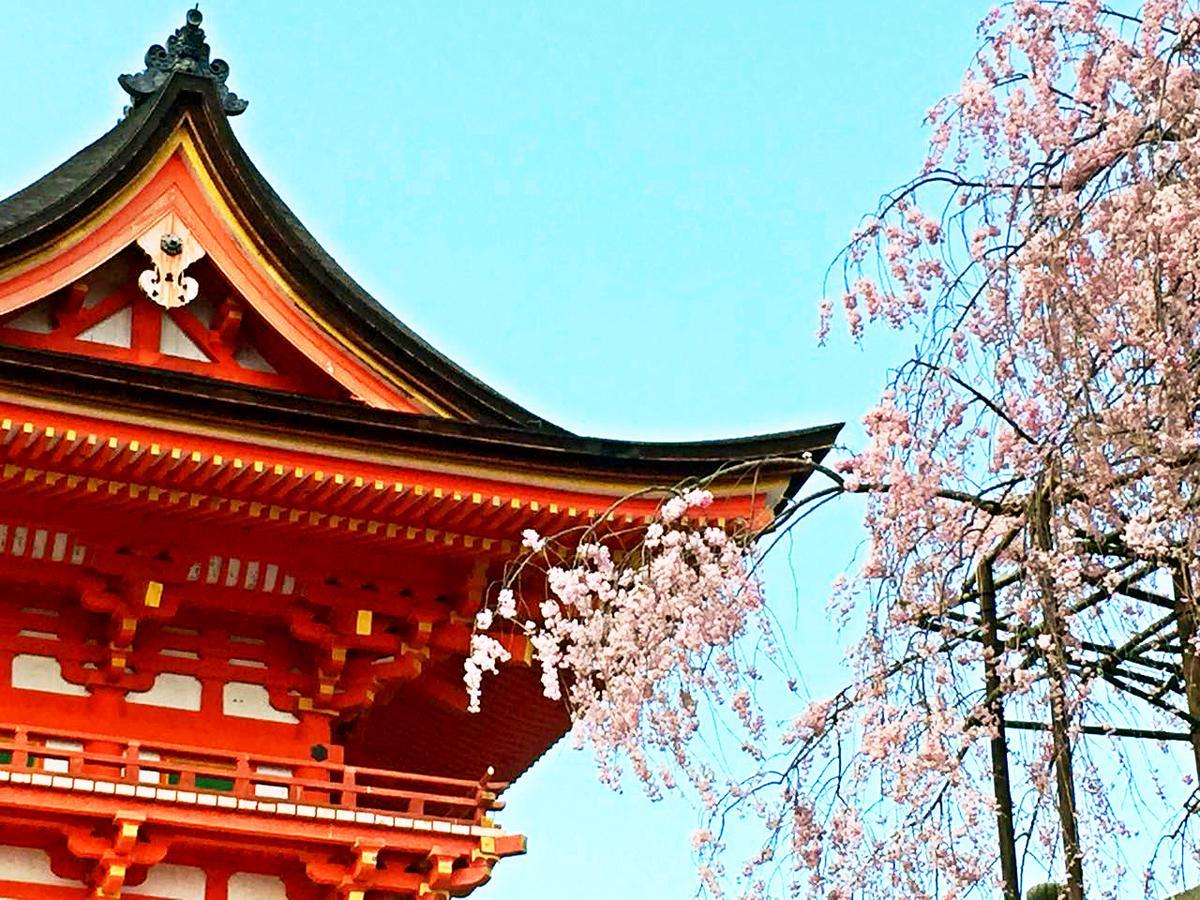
(186, 51)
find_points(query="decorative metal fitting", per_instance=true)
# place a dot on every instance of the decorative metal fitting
(186, 51)
(172, 244)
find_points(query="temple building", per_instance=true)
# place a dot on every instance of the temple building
(246, 520)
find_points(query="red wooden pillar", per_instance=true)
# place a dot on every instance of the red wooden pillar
(315, 730)
(107, 701)
(216, 884)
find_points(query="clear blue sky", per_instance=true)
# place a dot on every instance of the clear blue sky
(619, 213)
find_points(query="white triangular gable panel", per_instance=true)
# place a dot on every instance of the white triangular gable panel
(173, 341)
(248, 357)
(36, 319)
(116, 330)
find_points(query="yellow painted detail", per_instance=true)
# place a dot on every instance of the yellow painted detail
(154, 592)
(363, 625)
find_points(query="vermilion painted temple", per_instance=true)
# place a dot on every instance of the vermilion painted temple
(246, 519)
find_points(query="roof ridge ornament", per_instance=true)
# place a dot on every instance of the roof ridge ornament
(186, 51)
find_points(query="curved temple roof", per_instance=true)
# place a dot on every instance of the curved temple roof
(181, 89)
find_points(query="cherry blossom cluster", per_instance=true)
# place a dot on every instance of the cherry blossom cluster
(636, 638)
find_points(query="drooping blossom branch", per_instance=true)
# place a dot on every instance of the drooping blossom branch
(634, 631)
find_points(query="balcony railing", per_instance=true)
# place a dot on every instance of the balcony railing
(244, 781)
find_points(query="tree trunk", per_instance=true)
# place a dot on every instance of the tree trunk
(1005, 829)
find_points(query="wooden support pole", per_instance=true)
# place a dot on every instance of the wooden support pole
(227, 322)
(1056, 663)
(1001, 783)
(71, 304)
(1185, 618)
(216, 884)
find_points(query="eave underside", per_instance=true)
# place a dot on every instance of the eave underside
(51, 379)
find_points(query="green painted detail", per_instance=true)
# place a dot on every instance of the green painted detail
(212, 783)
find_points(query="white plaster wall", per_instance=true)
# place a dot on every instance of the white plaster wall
(251, 701)
(29, 865)
(176, 882)
(171, 691)
(42, 673)
(244, 886)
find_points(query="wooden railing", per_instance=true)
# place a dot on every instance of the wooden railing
(247, 776)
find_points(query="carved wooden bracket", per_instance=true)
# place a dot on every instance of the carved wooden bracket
(135, 601)
(355, 656)
(115, 853)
